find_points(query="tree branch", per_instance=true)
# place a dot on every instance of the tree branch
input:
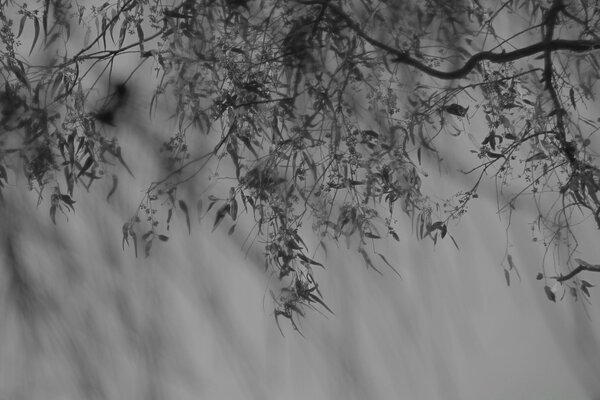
(403, 57)
(579, 269)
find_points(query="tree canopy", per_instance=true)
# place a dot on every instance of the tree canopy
(326, 113)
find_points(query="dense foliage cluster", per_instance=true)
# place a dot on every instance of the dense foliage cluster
(328, 113)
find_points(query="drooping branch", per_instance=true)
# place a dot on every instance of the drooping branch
(403, 57)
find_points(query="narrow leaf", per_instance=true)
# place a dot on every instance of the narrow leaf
(86, 166)
(389, 265)
(140, 33)
(36, 33)
(115, 182)
(221, 213)
(585, 290)
(371, 235)
(184, 208)
(309, 260)
(122, 33)
(45, 18)
(164, 238)
(507, 276)
(233, 208)
(21, 25)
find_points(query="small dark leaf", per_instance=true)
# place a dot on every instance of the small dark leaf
(115, 182)
(511, 263)
(372, 235)
(585, 290)
(134, 237)
(491, 154)
(456, 109)
(53, 213)
(221, 213)
(507, 276)
(45, 17)
(539, 276)
(536, 157)
(164, 238)
(550, 294)
(104, 25)
(231, 230)
(125, 234)
(309, 260)
(89, 162)
(147, 248)
(394, 235)
(68, 201)
(233, 210)
(184, 208)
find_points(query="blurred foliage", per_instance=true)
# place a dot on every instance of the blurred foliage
(327, 112)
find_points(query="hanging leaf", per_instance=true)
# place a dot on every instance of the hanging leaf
(89, 162)
(19, 73)
(233, 209)
(122, 33)
(184, 208)
(456, 109)
(572, 97)
(550, 294)
(367, 259)
(36, 33)
(584, 287)
(309, 260)
(510, 262)
(104, 29)
(112, 25)
(389, 265)
(140, 34)
(231, 230)
(45, 18)
(21, 25)
(507, 276)
(538, 156)
(371, 235)
(491, 154)
(221, 213)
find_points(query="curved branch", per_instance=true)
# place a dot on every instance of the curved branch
(403, 57)
(579, 269)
